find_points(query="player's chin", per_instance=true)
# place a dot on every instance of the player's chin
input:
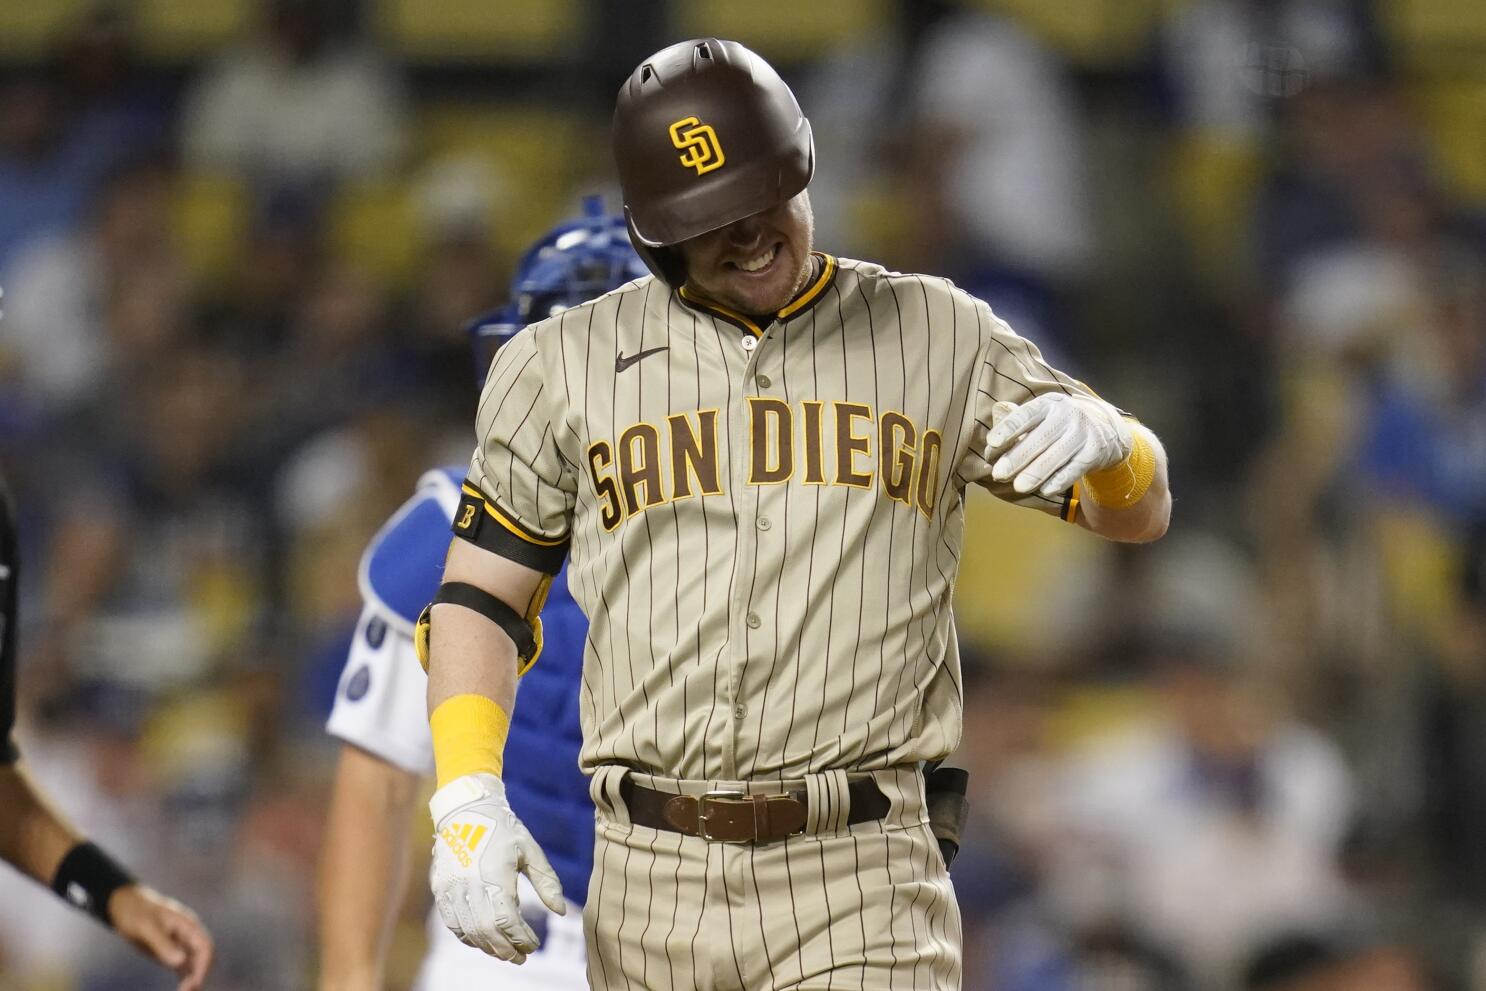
(767, 290)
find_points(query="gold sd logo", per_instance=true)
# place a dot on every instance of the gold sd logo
(698, 144)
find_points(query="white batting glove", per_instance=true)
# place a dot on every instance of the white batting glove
(1052, 441)
(479, 846)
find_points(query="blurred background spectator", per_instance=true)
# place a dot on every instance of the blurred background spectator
(238, 242)
(294, 105)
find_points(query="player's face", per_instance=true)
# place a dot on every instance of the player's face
(757, 264)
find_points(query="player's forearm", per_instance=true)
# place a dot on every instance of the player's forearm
(471, 691)
(1144, 519)
(363, 868)
(33, 836)
(472, 664)
(469, 655)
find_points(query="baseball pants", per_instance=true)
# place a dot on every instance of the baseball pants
(861, 907)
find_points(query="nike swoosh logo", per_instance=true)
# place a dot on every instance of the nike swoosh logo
(621, 362)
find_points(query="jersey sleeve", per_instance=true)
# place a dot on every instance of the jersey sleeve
(520, 492)
(1011, 369)
(381, 702)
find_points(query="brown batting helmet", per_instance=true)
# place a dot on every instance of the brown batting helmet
(705, 133)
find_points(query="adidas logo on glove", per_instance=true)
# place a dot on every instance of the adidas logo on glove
(463, 839)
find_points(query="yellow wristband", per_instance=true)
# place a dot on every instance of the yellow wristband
(469, 737)
(1126, 483)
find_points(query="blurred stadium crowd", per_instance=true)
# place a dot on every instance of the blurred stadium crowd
(239, 238)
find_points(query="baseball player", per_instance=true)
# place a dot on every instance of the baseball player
(38, 842)
(754, 464)
(379, 711)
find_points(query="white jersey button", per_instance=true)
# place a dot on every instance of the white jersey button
(753, 621)
(763, 523)
(740, 710)
(749, 342)
(764, 381)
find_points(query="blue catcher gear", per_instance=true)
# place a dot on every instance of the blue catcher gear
(571, 264)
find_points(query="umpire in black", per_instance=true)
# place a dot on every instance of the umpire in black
(39, 843)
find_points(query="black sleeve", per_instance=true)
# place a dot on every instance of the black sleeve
(8, 580)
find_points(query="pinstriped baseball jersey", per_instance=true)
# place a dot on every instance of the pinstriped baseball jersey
(764, 519)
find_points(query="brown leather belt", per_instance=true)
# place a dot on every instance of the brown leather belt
(737, 817)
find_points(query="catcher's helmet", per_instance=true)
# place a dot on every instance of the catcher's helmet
(570, 264)
(705, 133)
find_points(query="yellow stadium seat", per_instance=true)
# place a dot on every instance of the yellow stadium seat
(481, 29)
(175, 30)
(535, 155)
(373, 225)
(1089, 32)
(538, 154)
(211, 219)
(779, 29)
(1454, 116)
(1093, 711)
(1018, 609)
(1422, 566)
(877, 222)
(195, 729)
(1434, 35)
(27, 29)
(1212, 179)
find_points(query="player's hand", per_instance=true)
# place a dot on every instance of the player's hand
(1052, 441)
(479, 846)
(164, 929)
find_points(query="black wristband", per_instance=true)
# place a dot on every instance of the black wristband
(86, 879)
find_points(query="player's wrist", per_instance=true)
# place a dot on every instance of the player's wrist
(88, 878)
(1124, 484)
(1116, 428)
(469, 737)
(464, 792)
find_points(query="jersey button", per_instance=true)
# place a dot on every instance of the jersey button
(763, 523)
(740, 710)
(764, 381)
(749, 342)
(753, 621)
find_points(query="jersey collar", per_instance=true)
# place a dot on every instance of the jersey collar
(808, 298)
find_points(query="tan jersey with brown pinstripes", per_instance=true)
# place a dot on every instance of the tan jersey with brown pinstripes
(764, 522)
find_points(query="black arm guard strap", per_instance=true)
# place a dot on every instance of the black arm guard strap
(944, 791)
(487, 605)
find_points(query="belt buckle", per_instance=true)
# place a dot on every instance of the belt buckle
(716, 793)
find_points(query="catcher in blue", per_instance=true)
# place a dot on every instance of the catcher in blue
(381, 718)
